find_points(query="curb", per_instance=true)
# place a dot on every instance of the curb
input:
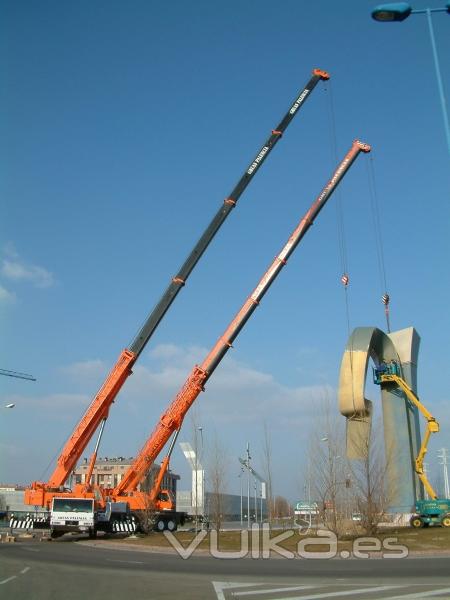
(203, 552)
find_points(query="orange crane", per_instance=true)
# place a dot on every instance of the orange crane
(171, 420)
(126, 492)
(42, 493)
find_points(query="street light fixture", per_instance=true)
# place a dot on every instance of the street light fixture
(399, 11)
(9, 406)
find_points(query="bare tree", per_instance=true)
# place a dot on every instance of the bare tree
(327, 466)
(281, 507)
(368, 475)
(344, 487)
(267, 468)
(147, 516)
(217, 477)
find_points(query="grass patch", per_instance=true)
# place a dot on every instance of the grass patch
(431, 539)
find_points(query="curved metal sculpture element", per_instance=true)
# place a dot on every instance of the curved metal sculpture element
(400, 419)
(364, 343)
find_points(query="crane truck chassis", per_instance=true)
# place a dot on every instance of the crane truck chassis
(80, 515)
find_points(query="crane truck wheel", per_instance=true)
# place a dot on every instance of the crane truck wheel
(160, 525)
(416, 522)
(56, 534)
(446, 521)
(171, 525)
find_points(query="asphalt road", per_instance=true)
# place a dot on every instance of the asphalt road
(32, 570)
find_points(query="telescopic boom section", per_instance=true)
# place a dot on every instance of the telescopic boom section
(100, 405)
(229, 203)
(172, 419)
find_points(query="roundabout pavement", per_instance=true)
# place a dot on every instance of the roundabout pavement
(30, 569)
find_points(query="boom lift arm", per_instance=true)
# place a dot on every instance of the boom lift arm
(99, 408)
(390, 373)
(172, 419)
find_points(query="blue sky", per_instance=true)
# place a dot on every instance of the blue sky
(124, 126)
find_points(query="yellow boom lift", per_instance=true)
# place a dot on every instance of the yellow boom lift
(434, 511)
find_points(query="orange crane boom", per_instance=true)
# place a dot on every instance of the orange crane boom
(172, 419)
(40, 493)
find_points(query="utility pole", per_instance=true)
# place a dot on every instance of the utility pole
(245, 462)
(443, 455)
(248, 484)
(196, 479)
(240, 479)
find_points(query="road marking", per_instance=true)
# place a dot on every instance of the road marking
(219, 586)
(274, 590)
(380, 588)
(30, 549)
(9, 579)
(22, 572)
(421, 594)
(128, 562)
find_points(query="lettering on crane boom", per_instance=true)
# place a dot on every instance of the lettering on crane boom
(298, 101)
(334, 179)
(257, 160)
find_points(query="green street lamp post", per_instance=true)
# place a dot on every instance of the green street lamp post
(399, 11)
